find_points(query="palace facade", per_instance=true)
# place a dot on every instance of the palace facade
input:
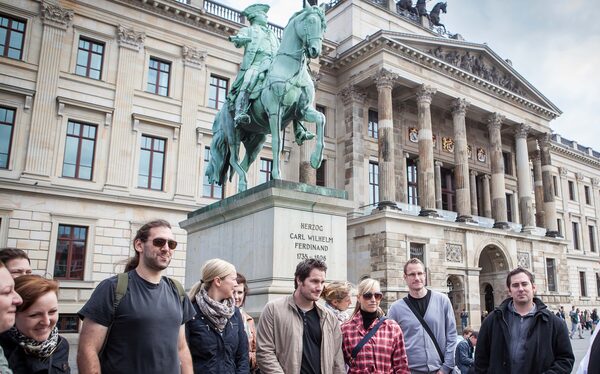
(447, 152)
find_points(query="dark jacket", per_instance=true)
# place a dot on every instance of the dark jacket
(464, 356)
(22, 363)
(214, 352)
(548, 345)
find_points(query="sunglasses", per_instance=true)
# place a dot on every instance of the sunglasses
(160, 242)
(369, 295)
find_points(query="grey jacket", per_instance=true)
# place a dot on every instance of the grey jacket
(421, 352)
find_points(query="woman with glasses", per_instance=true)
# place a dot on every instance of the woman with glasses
(383, 351)
(216, 336)
(337, 296)
(33, 345)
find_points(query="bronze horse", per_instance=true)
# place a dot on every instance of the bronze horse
(434, 15)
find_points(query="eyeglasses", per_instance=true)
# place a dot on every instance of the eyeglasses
(160, 242)
(369, 295)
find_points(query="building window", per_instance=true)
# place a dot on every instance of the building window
(70, 252)
(509, 207)
(582, 284)
(373, 182)
(264, 174)
(68, 323)
(572, 190)
(417, 250)
(592, 235)
(12, 33)
(555, 183)
(7, 125)
(217, 92)
(551, 274)
(79, 151)
(158, 77)
(448, 192)
(373, 128)
(412, 183)
(211, 190)
(89, 58)
(588, 195)
(507, 157)
(321, 174)
(576, 235)
(559, 225)
(152, 161)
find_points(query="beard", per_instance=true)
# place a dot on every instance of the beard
(154, 262)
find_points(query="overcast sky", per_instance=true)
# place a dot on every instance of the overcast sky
(554, 44)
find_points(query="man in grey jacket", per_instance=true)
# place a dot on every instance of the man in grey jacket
(435, 310)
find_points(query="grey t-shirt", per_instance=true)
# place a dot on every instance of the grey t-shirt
(143, 338)
(519, 326)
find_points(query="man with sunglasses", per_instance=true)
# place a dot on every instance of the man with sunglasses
(142, 330)
(427, 321)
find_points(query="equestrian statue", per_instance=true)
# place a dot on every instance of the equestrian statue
(272, 89)
(434, 15)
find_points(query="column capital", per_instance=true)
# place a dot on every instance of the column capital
(486, 176)
(544, 139)
(522, 130)
(579, 176)
(425, 93)
(193, 57)
(535, 156)
(438, 164)
(474, 173)
(459, 106)
(129, 38)
(352, 94)
(595, 181)
(385, 79)
(495, 121)
(563, 171)
(55, 15)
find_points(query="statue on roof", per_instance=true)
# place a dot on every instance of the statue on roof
(434, 15)
(421, 8)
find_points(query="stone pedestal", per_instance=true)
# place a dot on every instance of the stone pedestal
(265, 231)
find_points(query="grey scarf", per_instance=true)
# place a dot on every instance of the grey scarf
(217, 313)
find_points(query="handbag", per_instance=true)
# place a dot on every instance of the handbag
(366, 338)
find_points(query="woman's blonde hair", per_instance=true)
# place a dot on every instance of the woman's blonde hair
(336, 291)
(215, 268)
(365, 286)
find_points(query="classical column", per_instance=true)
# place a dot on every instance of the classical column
(385, 129)
(487, 201)
(473, 182)
(524, 178)
(549, 204)
(399, 155)
(355, 176)
(426, 173)
(438, 184)
(122, 140)
(497, 162)
(538, 188)
(461, 159)
(189, 152)
(44, 126)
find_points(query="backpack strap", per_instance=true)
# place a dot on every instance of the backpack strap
(121, 290)
(175, 284)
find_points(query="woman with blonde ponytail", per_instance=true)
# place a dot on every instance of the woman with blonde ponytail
(216, 336)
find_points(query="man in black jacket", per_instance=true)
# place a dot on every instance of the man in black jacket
(522, 335)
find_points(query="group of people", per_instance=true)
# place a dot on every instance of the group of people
(143, 322)
(580, 320)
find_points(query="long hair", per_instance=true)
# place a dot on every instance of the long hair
(32, 287)
(365, 286)
(241, 280)
(142, 234)
(215, 268)
(336, 291)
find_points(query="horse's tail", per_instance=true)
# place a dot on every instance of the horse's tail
(218, 164)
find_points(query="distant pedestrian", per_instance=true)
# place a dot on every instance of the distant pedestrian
(595, 319)
(561, 313)
(338, 296)
(575, 322)
(464, 319)
(465, 353)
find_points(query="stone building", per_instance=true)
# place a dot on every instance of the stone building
(106, 110)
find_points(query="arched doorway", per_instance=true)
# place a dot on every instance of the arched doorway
(492, 278)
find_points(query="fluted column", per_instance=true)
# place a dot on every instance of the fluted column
(426, 173)
(354, 152)
(538, 188)
(120, 156)
(524, 178)
(497, 162)
(549, 204)
(44, 126)
(189, 152)
(438, 184)
(461, 159)
(487, 200)
(385, 130)
(473, 182)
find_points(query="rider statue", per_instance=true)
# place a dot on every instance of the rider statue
(260, 44)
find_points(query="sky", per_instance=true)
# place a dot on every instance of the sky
(553, 44)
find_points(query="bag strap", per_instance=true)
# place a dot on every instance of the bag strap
(175, 284)
(367, 337)
(425, 326)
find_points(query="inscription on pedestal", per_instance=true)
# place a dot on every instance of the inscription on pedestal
(311, 241)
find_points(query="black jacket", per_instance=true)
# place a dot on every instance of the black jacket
(22, 363)
(548, 345)
(214, 352)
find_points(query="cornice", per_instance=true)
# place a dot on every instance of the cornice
(573, 154)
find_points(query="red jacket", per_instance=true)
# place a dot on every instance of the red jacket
(384, 353)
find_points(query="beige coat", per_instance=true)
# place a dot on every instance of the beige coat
(279, 339)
